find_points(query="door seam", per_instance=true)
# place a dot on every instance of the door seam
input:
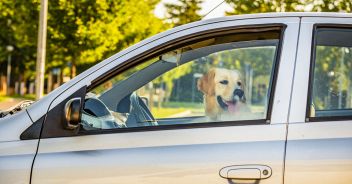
(290, 100)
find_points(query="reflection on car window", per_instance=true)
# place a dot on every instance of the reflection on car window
(332, 80)
(219, 79)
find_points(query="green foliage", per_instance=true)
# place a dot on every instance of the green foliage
(332, 6)
(18, 27)
(332, 76)
(80, 33)
(262, 6)
(85, 32)
(185, 11)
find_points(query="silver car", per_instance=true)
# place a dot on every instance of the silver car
(156, 112)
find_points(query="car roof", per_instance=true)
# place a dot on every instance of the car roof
(39, 108)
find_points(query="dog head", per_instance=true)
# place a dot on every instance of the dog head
(225, 86)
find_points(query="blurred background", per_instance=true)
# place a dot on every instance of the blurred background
(82, 33)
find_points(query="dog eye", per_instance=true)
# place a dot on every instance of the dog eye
(225, 82)
(239, 83)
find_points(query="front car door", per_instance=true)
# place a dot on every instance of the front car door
(319, 143)
(162, 132)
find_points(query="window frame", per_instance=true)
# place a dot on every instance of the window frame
(184, 41)
(311, 75)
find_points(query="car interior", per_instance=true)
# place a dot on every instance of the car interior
(121, 107)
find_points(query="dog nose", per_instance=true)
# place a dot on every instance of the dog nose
(238, 92)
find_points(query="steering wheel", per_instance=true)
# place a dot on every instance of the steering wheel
(139, 114)
(96, 115)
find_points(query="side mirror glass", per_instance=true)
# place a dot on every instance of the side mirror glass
(73, 113)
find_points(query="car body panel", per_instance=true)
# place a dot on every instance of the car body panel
(16, 156)
(171, 156)
(317, 152)
(11, 127)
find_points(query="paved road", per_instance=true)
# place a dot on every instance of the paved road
(4, 105)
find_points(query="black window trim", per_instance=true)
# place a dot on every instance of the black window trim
(173, 127)
(311, 75)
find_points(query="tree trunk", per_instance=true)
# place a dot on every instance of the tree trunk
(50, 82)
(73, 70)
(61, 76)
(3, 84)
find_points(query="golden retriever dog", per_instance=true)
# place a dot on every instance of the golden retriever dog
(224, 96)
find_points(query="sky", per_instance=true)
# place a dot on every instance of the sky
(206, 6)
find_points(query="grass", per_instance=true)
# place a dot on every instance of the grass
(4, 98)
(25, 97)
(173, 108)
(166, 112)
(169, 109)
(187, 105)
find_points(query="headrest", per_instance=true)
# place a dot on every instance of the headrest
(124, 105)
(95, 107)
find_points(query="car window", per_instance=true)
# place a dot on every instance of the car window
(331, 84)
(220, 79)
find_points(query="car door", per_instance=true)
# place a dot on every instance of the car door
(186, 146)
(319, 143)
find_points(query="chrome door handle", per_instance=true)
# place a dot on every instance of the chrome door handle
(246, 172)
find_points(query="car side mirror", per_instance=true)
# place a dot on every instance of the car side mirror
(73, 113)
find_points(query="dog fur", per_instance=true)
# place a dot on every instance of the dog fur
(220, 88)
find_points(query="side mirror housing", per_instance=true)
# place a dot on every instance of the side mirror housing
(73, 113)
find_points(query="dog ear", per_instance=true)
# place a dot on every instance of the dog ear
(206, 83)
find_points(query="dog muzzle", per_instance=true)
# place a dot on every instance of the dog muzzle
(238, 95)
(231, 106)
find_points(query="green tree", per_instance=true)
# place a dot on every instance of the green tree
(84, 32)
(262, 6)
(332, 6)
(182, 12)
(185, 11)
(18, 27)
(80, 33)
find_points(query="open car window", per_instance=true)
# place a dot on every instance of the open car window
(220, 79)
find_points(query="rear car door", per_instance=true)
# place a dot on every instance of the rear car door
(177, 142)
(319, 143)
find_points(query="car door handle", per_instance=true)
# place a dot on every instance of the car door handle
(246, 172)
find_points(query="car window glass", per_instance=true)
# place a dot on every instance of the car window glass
(219, 79)
(332, 76)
